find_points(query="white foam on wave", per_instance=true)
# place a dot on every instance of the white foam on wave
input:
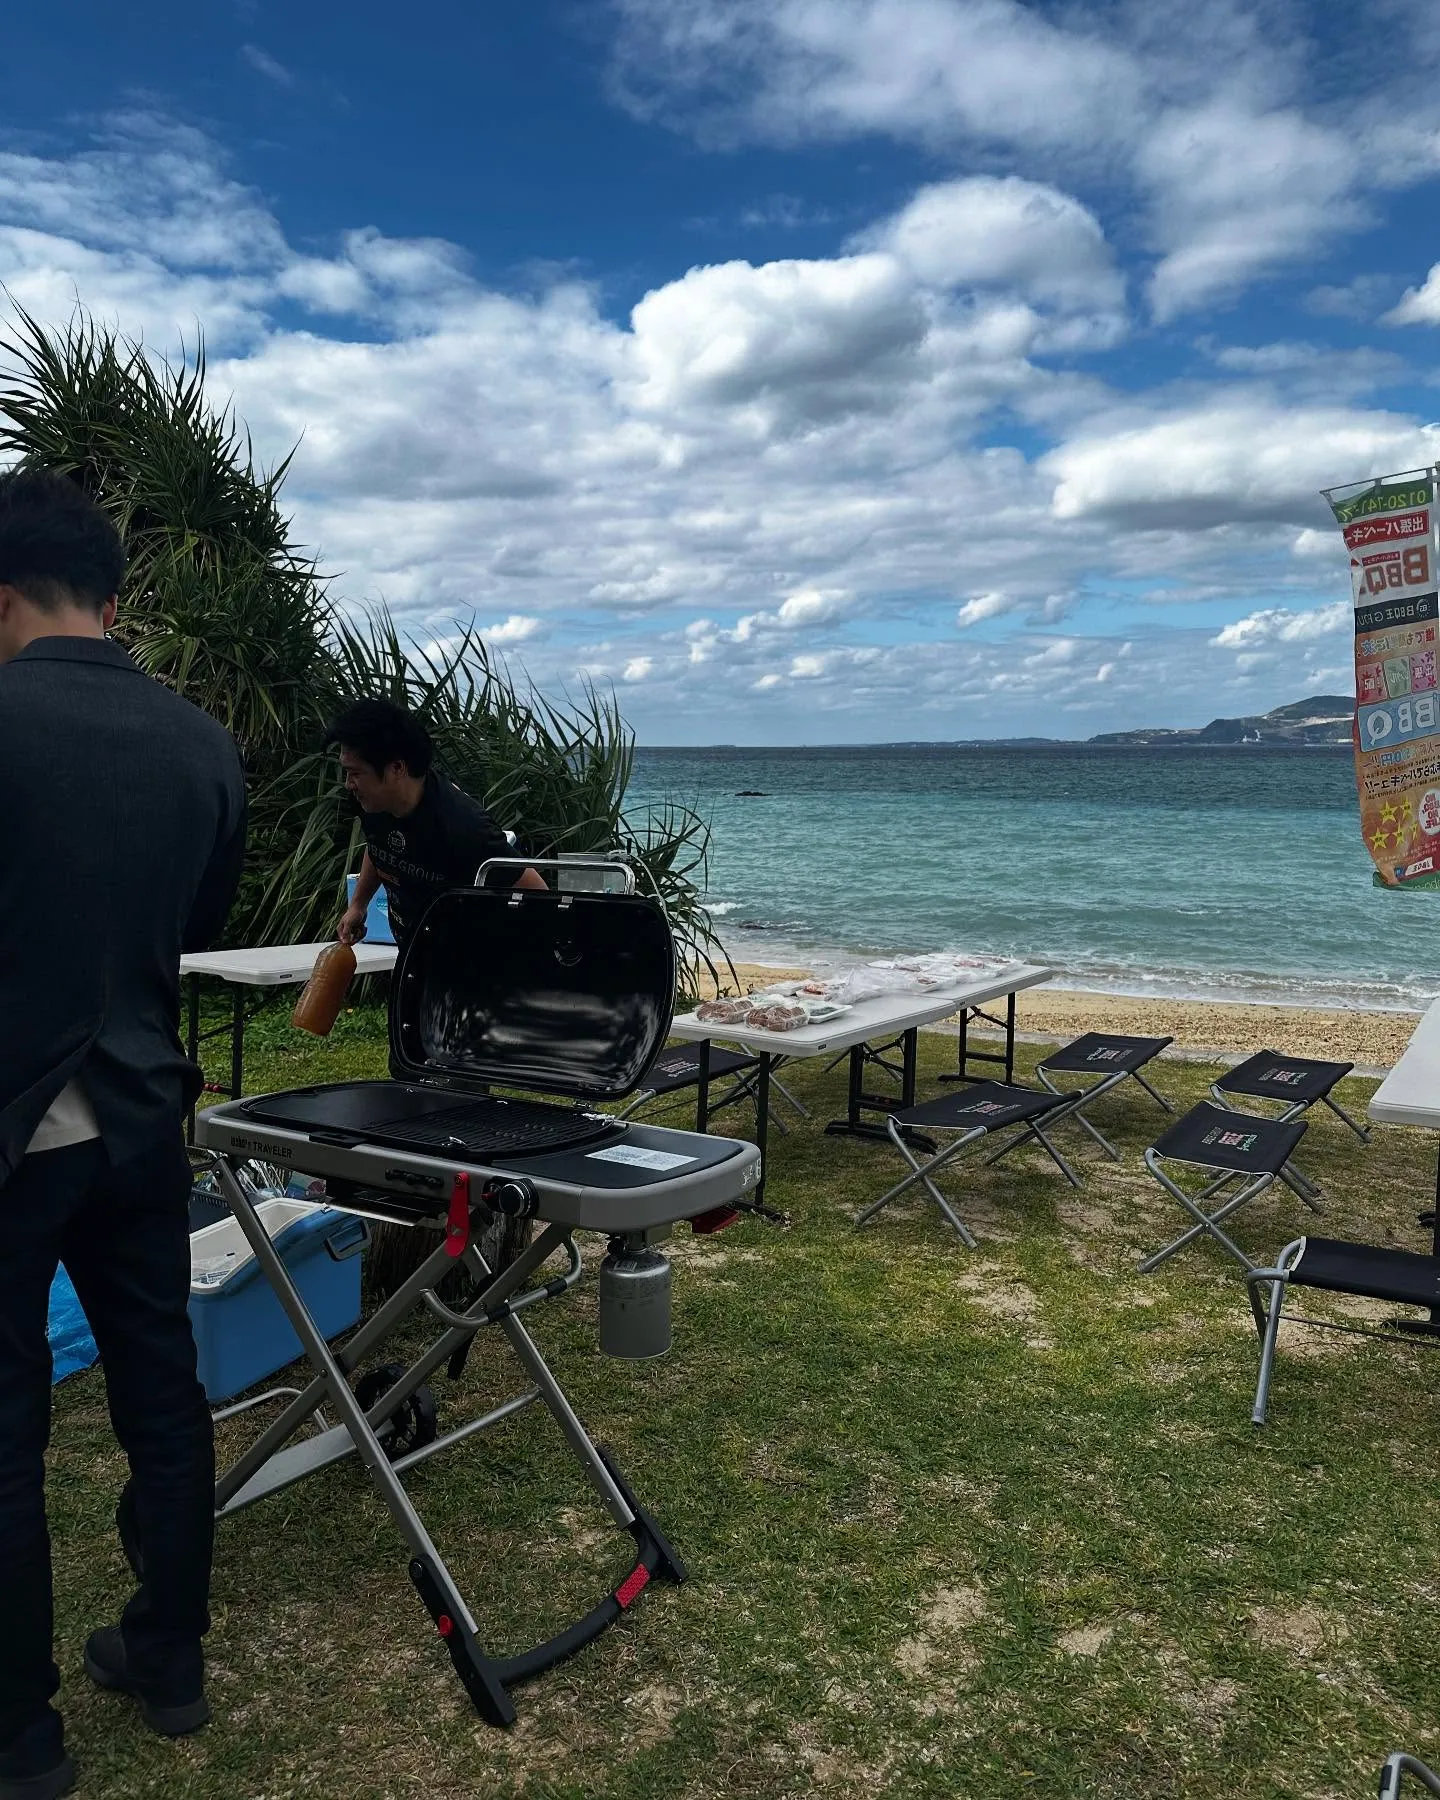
(1101, 976)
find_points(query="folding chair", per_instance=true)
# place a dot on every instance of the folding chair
(1337, 1267)
(1113, 1060)
(1227, 1145)
(1295, 1083)
(987, 1107)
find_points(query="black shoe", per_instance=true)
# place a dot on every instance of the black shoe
(49, 1784)
(105, 1665)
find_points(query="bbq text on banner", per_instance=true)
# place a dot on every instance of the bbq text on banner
(1389, 529)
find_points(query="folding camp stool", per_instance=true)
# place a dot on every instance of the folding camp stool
(1295, 1083)
(1113, 1059)
(684, 1066)
(1399, 1764)
(1337, 1267)
(1229, 1145)
(986, 1107)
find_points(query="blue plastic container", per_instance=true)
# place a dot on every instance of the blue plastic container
(377, 914)
(241, 1332)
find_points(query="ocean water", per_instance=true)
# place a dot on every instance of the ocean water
(1210, 874)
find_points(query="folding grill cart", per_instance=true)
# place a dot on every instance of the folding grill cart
(560, 993)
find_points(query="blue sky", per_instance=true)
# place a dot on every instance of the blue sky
(809, 370)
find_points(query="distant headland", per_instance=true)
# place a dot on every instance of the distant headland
(1324, 719)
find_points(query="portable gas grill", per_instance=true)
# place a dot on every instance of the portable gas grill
(567, 994)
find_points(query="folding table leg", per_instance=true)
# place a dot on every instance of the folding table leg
(762, 1118)
(237, 1044)
(858, 1102)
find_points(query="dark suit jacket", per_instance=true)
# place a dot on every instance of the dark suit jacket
(121, 847)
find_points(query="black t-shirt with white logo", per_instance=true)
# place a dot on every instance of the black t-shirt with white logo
(440, 845)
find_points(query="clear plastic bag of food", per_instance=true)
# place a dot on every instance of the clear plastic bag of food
(779, 1016)
(725, 1012)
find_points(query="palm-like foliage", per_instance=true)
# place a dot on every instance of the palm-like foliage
(220, 605)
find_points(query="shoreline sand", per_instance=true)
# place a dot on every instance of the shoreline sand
(1371, 1040)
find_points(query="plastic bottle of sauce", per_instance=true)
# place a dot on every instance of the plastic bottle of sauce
(324, 993)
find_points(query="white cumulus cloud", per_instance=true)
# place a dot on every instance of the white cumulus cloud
(1278, 625)
(1418, 306)
(1003, 231)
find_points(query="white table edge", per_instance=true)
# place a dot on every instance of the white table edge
(800, 1042)
(230, 965)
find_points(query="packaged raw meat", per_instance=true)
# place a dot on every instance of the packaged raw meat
(778, 1017)
(724, 1012)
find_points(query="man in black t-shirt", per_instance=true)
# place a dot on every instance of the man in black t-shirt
(422, 834)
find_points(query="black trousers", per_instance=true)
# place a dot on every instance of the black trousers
(123, 1235)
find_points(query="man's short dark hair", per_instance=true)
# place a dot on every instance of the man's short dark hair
(382, 733)
(56, 545)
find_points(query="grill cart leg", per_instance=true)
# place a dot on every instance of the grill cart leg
(268, 1466)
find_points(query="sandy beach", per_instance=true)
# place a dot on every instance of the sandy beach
(1372, 1040)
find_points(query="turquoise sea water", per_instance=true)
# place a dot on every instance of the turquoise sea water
(1221, 874)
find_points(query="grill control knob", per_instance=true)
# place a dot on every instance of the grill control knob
(516, 1199)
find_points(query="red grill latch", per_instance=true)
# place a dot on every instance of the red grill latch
(457, 1228)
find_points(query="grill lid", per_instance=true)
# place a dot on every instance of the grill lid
(560, 993)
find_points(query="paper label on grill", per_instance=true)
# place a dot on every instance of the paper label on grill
(641, 1159)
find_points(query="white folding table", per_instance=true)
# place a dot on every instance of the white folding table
(891, 1016)
(266, 966)
(1410, 1095)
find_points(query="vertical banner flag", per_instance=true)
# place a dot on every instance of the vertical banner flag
(1389, 529)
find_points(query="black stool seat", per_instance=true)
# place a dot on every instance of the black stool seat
(974, 1112)
(1213, 1139)
(1104, 1053)
(986, 1104)
(1291, 1079)
(679, 1067)
(1368, 1269)
(1333, 1265)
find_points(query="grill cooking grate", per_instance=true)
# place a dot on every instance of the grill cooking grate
(498, 1127)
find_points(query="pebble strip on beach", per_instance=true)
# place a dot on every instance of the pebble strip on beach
(1372, 1040)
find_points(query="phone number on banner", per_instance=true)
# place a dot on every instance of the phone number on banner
(1399, 722)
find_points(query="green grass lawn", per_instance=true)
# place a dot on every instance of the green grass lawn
(959, 1523)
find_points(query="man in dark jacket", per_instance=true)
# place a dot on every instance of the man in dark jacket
(124, 839)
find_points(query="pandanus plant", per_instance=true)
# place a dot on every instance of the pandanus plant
(221, 605)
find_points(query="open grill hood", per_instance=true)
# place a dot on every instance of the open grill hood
(560, 993)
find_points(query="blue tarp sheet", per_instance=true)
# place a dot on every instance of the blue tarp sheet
(72, 1348)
